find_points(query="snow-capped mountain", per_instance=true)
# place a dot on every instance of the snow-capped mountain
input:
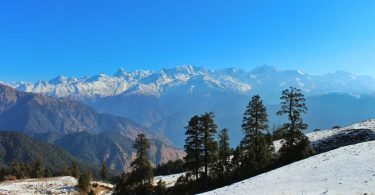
(164, 100)
(188, 79)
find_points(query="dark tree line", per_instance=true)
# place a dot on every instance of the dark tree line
(211, 163)
(36, 169)
(170, 167)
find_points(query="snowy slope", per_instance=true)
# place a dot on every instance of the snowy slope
(320, 135)
(315, 137)
(336, 137)
(347, 170)
(57, 185)
(169, 180)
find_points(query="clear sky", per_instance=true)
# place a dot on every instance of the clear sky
(43, 39)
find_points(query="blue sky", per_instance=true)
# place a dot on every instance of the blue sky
(43, 39)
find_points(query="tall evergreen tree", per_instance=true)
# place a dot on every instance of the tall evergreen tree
(103, 171)
(258, 149)
(84, 182)
(295, 144)
(139, 181)
(142, 168)
(16, 169)
(193, 147)
(208, 128)
(236, 163)
(200, 145)
(74, 171)
(122, 186)
(222, 165)
(37, 169)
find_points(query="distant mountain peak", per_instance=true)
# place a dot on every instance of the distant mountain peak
(121, 72)
(58, 80)
(179, 80)
(264, 69)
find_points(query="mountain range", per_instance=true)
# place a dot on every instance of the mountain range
(188, 79)
(79, 129)
(164, 100)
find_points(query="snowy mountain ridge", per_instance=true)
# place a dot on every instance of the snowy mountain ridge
(189, 79)
(323, 134)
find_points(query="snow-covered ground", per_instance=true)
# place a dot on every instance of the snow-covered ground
(169, 180)
(319, 135)
(330, 134)
(346, 170)
(57, 185)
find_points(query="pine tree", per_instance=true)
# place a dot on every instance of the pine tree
(141, 165)
(161, 188)
(238, 156)
(74, 171)
(258, 149)
(122, 186)
(84, 182)
(139, 181)
(222, 166)
(200, 146)
(65, 171)
(208, 128)
(37, 169)
(103, 171)
(193, 147)
(16, 169)
(295, 145)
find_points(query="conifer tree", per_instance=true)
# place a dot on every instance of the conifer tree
(258, 149)
(200, 145)
(222, 165)
(16, 169)
(236, 162)
(103, 171)
(161, 188)
(84, 182)
(139, 181)
(122, 186)
(208, 128)
(37, 169)
(142, 170)
(74, 171)
(295, 144)
(193, 147)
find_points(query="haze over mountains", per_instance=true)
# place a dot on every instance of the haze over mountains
(188, 79)
(164, 100)
(67, 123)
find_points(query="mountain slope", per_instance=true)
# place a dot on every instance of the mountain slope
(329, 139)
(35, 114)
(347, 170)
(113, 148)
(78, 128)
(17, 146)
